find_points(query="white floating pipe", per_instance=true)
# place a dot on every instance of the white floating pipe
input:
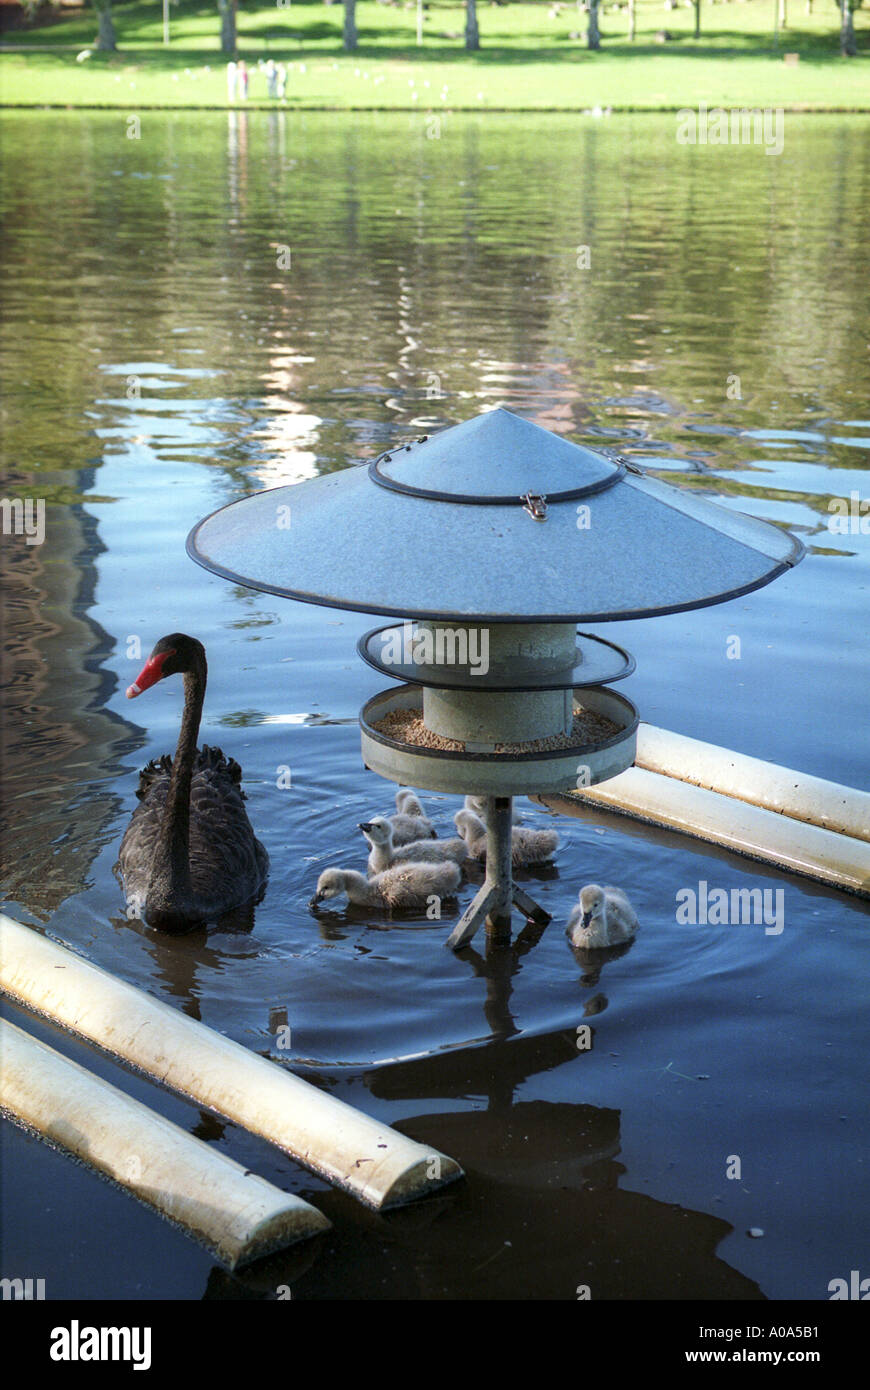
(844, 810)
(738, 825)
(237, 1215)
(371, 1161)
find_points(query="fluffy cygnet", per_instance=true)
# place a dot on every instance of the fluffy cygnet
(473, 832)
(477, 804)
(410, 821)
(405, 885)
(603, 917)
(385, 852)
(527, 846)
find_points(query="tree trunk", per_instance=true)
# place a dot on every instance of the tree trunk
(783, 16)
(472, 33)
(227, 10)
(106, 38)
(350, 24)
(631, 20)
(593, 33)
(697, 19)
(848, 47)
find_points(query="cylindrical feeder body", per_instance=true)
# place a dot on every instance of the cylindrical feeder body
(515, 652)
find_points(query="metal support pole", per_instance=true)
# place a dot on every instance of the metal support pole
(530, 908)
(492, 904)
(499, 825)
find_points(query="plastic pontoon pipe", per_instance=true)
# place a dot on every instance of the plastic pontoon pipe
(844, 810)
(237, 1215)
(367, 1158)
(738, 825)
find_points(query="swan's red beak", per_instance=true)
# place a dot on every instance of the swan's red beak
(150, 674)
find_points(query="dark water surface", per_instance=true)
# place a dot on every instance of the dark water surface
(158, 363)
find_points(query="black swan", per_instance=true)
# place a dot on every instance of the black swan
(189, 854)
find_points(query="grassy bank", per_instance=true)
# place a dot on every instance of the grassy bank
(532, 57)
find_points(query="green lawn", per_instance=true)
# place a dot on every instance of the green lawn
(532, 57)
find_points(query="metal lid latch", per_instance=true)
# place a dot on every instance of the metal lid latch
(535, 505)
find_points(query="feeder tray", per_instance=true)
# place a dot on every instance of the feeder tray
(595, 662)
(497, 537)
(484, 772)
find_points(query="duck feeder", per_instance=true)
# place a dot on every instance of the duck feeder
(492, 540)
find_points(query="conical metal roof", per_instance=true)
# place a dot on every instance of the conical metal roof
(498, 520)
(492, 457)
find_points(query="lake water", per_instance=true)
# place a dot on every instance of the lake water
(234, 302)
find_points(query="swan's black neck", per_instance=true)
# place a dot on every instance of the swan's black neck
(171, 876)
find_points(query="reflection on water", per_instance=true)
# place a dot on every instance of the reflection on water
(238, 302)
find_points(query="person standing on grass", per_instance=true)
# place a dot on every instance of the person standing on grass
(272, 79)
(231, 83)
(281, 80)
(243, 80)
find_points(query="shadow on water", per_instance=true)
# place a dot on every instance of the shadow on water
(539, 1215)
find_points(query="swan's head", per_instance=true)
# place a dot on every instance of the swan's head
(377, 831)
(410, 804)
(592, 902)
(475, 804)
(172, 655)
(330, 885)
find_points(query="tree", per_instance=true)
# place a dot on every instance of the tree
(593, 33)
(227, 10)
(697, 4)
(350, 24)
(472, 33)
(631, 4)
(106, 40)
(848, 46)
